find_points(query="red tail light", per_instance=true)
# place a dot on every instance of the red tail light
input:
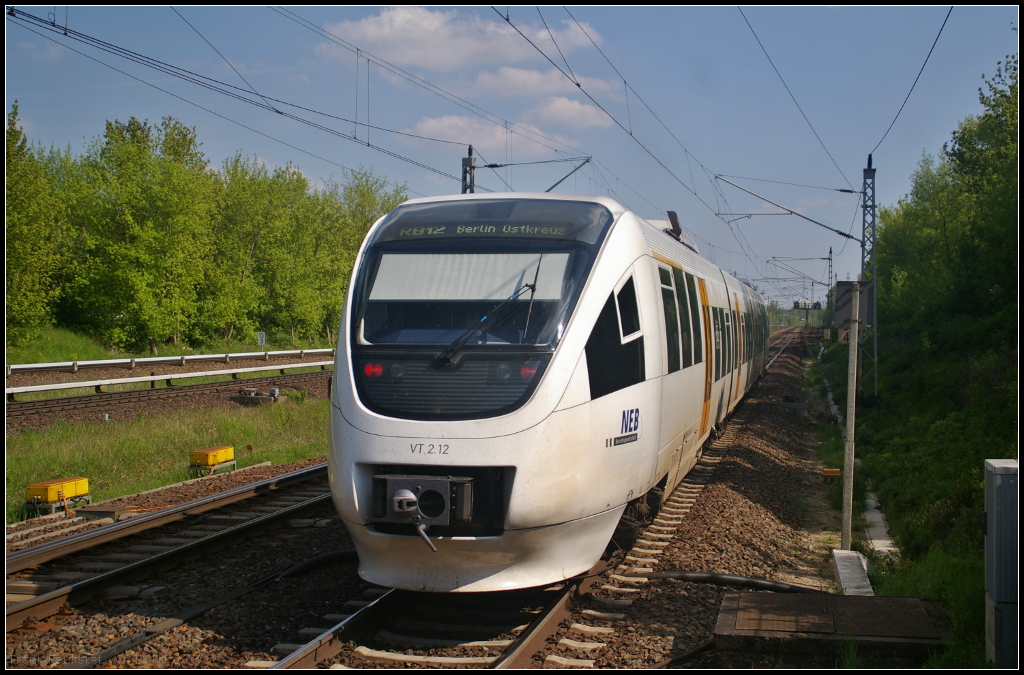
(373, 369)
(529, 370)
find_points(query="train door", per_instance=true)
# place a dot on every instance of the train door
(708, 355)
(728, 360)
(739, 342)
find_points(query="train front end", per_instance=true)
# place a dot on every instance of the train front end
(446, 462)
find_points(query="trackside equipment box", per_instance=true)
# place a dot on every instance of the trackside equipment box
(212, 456)
(53, 490)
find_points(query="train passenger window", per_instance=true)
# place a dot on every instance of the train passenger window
(629, 313)
(611, 363)
(668, 301)
(684, 317)
(698, 343)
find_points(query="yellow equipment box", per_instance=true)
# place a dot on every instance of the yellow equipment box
(212, 456)
(48, 490)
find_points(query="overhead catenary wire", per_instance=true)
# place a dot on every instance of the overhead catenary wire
(214, 85)
(709, 175)
(212, 112)
(789, 91)
(779, 182)
(470, 107)
(550, 35)
(935, 42)
(225, 59)
(605, 111)
(527, 133)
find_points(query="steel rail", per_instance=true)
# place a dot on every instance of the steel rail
(37, 555)
(329, 644)
(166, 360)
(782, 349)
(49, 603)
(518, 655)
(530, 641)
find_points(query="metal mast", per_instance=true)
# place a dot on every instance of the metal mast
(869, 266)
(469, 173)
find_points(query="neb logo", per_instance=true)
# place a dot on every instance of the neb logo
(630, 420)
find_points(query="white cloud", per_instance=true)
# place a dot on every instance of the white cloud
(805, 204)
(488, 138)
(766, 207)
(443, 40)
(569, 113)
(510, 81)
(48, 54)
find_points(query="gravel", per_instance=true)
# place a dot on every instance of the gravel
(228, 635)
(760, 515)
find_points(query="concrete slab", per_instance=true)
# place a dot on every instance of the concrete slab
(850, 569)
(810, 629)
(878, 530)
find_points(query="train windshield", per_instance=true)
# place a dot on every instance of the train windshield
(459, 305)
(500, 298)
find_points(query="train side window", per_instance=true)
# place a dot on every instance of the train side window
(612, 364)
(698, 343)
(684, 317)
(668, 301)
(629, 313)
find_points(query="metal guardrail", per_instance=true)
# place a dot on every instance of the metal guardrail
(158, 378)
(165, 360)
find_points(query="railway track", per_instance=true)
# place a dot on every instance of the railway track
(43, 406)
(73, 569)
(587, 620)
(400, 629)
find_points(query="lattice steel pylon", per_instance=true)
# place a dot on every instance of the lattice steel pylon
(869, 272)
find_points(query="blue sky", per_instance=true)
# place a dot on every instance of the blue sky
(700, 71)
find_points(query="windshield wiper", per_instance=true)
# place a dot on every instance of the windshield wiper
(447, 357)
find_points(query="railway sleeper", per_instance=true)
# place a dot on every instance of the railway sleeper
(391, 657)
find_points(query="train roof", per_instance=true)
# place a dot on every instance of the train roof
(615, 207)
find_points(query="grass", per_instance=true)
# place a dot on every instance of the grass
(130, 456)
(955, 576)
(58, 344)
(939, 415)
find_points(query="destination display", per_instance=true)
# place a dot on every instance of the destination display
(500, 218)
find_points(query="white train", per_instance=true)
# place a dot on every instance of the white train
(515, 372)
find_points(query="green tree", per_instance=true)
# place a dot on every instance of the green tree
(149, 228)
(36, 237)
(947, 284)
